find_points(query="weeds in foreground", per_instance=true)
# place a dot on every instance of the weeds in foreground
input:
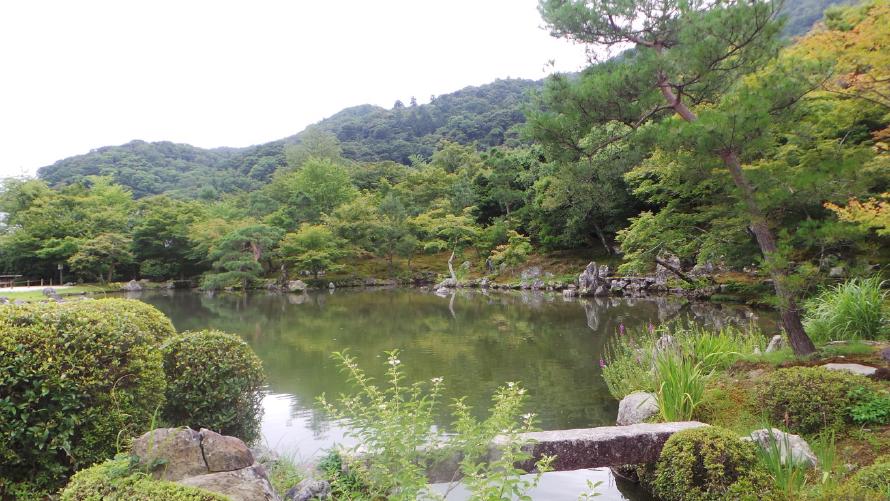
(396, 426)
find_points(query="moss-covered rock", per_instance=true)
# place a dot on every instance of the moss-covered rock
(809, 399)
(78, 378)
(115, 480)
(709, 463)
(214, 381)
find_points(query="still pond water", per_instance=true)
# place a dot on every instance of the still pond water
(475, 341)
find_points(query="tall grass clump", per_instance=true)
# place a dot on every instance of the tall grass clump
(681, 386)
(855, 309)
(788, 474)
(631, 359)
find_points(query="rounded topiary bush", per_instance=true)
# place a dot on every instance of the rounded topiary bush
(214, 381)
(809, 399)
(136, 314)
(115, 480)
(76, 378)
(709, 463)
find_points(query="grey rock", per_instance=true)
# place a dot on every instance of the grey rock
(296, 286)
(862, 370)
(590, 280)
(443, 291)
(247, 484)
(132, 286)
(331, 285)
(636, 408)
(530, 273)
(49, 292)
(176, 451)
(570, 292)
(661, 273)
(484, 283)
(789, 446)
(4, 300)
(885, 354)
(837, 272)
(224, 453)
(19, 301)
(603, 272)
(775, 344)
(307, 489)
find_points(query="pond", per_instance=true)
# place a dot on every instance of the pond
(476, 341)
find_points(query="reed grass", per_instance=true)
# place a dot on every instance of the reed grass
(855, 309)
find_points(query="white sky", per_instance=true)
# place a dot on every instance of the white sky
(79, 75)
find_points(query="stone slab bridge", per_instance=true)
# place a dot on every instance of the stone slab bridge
(586, 448)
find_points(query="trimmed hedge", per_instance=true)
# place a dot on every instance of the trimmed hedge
(709, 463)
(115, 481)
(214, 381)
(809, 399)
(77, 378)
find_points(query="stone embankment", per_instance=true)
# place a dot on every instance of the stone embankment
(597, 281)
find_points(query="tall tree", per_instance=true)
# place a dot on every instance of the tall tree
(688, 54)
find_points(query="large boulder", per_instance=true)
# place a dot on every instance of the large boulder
(177, 451)
(132, 286)
(309, 488)
(206, 460)
(296, 286)
(224, 453)
(247, 484)
(592, 281)
(789, 446)
(636, 408)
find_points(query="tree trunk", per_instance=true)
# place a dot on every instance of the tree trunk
(110, 272)
(602, 237)
(788, 308)
(675, 271)
(451, 268)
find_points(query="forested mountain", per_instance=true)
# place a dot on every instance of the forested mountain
(175, 169)
(485, 115)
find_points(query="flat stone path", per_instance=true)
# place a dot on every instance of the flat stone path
(860, 369)
(588, 447)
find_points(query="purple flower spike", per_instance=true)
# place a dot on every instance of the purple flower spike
(621, 329)
(602, 364)
(651, 328)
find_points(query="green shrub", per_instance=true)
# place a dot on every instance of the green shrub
(214, 381)
(874, 479)
(856, 309)
(869, 406)
(709, 463)
(808, 399)
(77, 378)
(114, 480)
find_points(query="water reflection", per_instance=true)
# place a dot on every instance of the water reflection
(476, 341)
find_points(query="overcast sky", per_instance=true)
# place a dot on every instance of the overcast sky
(80, 75)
